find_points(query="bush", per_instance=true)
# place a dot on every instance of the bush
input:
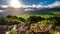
(53, 31)
(46, 22)
(13, 32)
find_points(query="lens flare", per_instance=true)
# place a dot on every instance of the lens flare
(15, 3)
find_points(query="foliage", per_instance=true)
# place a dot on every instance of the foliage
(13, 32)
(22, 19)
(8, 20)
(46, 22)
(34, 19)
(53, 31)
(57, 21)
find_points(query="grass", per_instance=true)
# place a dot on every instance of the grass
(51, 14)
(53, 31)
(43, 16)
(13, 32)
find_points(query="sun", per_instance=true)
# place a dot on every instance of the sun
(15, 3)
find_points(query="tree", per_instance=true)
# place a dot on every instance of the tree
(34, 19)
(9, 16)
(8, 21)
(13, 17)
(22, 19)
(57, 21)
(2, 21)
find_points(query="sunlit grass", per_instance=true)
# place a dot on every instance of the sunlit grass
(56, 12)
(13, 32)
(53, 31)
(43, 16)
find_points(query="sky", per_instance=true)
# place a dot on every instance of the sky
(32, 2)
(29, 3)
(42, 2)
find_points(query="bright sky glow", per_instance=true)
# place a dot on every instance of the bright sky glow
(30, 3)
(15, 3)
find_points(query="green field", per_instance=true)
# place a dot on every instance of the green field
(52, 14)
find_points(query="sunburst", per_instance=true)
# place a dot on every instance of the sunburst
(15, 3)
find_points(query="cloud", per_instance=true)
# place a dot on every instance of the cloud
(4, 6)
(41, 2)
(28, 9)
(1, 10)
(55, 4)
(45, 1)
(32, 7)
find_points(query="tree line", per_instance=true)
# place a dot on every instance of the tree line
(11, 20)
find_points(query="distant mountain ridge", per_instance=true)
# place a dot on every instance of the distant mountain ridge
(28, 10)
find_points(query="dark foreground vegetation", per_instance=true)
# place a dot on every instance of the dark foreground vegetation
(32, 25)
